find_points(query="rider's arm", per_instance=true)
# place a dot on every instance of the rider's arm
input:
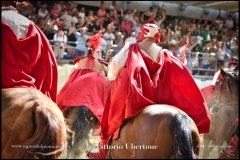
(117, 63)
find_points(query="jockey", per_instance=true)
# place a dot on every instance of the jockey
(143, 74)
(86, 86)
(208, 90)
(28, 59)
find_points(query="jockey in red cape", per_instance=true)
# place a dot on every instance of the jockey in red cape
(87, 84)
(209, 90)
(28, 59)
(144, 76)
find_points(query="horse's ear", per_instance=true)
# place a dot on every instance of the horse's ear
(223, 73)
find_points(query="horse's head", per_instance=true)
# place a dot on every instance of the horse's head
(226, 91)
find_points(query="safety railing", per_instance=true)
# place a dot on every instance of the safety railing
(207, 66)
(200, 72)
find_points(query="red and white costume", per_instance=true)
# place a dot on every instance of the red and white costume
(85, 87)
(140, 79)
(27, 57)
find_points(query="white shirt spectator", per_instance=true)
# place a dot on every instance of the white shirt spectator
(221, 53)
(42, 13)
(109, 37)
(132, 38)
(60, 39)
(67, 20)
(229, 23)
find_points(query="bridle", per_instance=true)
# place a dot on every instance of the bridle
(218, 104)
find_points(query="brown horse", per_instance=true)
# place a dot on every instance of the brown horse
(160, 131)
(32, 125)
(223, 112)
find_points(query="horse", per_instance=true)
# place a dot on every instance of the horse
(32, 125)
(159, 131)
(223, 109)
(80, 118)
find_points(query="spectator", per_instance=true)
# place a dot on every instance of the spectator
(72, 39)
(119, 41)
(90, 24)
(101, 13)
(67, 20)
(132, 38)
(82, 38)
(162, 13)
(43, 12)
(60, 43)
(192, 62)
(107, 20)
(74, 18)
(149, 14)
(55, 10)
(137, 28)
(80, 23)
(81, 14)
(96, 26)
(221, 53)
(109, 36)
(229, 22)
(126, 26)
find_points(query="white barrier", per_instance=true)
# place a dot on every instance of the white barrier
(63, 73)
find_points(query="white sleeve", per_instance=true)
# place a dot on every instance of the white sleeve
(118, 62)
(55, 37)
(168, 52)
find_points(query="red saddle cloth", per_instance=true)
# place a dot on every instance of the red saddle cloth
(84, 87)
(143, 82)
(29, 61)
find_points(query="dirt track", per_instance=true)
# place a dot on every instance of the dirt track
(95, 139)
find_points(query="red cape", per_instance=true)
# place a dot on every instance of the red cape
(84, 87)
(29, 61)
(144, 82)
(208, 92)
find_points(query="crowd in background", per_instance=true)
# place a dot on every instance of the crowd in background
(68, 26)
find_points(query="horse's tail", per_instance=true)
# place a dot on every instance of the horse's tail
(50, 135)
(182, 131)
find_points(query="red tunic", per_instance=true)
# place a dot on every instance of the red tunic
(29, 61)
(143, 82)
(84, 87)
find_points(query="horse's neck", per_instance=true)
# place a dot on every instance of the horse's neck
(150, 48)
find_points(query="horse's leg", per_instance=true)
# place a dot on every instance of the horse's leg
(206, 147)
(72, 118)
(223, 116)
(70, 145)
(82, 126)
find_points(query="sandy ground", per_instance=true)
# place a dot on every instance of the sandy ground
(95, 139)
